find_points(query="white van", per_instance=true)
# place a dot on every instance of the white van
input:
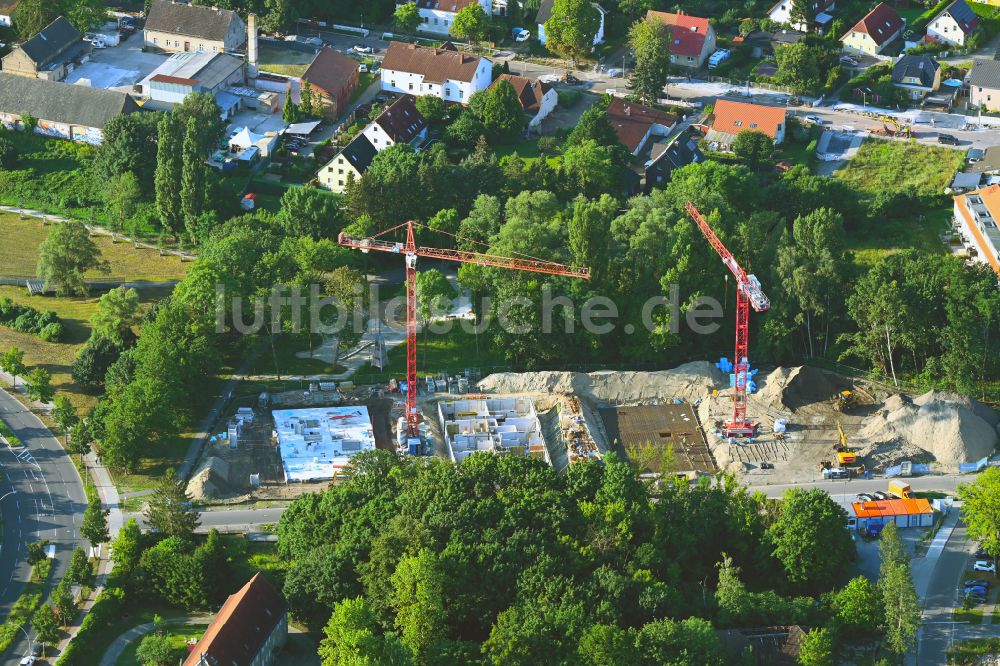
(718, 58)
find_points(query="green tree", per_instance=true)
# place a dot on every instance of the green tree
(590, 234)
(122, 198)
(92, 362)
(308, 211)
(279, 15)
(434, 293)
(857, 606)
(169, 166)
(127, 547)
(290, 112)
(8, 154)
(173, 572)
(353, 637)
(594, 126)
(155, 649)
(802, 13)
(128, 146)
(307, 101)
(406, 18)
(12, 361)
(65, 255)
(753, 146)
(901, 605)
(429, 106)
(471, 23)
(207, 116)
(193, 178)
(591, 169)
(86, 14)
(64, 603)
(811, 539)
(36, 551)
(80, 570)
(169, 509)
(31, 16)
(46, 625)
(38, 385)
(418, 599)
(650, 41)
(94, 527)
(607, 645)
(816, 648)
(117, 312)
(571, 29)
(500, 110)
(64, 414)
(800, 67)
(81, 438)
(981, 509)
(691, 642)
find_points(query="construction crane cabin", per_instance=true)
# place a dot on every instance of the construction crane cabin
(748, 293)
(410, 251)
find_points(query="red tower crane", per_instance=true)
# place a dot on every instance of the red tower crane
(748, 292)
(410, 250)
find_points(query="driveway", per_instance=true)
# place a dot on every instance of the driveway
(43, 498)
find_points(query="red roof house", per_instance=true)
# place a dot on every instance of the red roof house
(875, 31)
(692, 39)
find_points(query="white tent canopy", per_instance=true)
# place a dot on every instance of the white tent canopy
(244, 139)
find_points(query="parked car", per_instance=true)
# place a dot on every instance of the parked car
(978, 591)
(978, 582)
(864, 497)
(361, 48)
(520, 34)
(95, 39)
(27, 661)
(947, 139)
(849, 61)
(816, 120)
(986, 566)
(718, 58)
(767, 465)
(983, 555)
(879, 495)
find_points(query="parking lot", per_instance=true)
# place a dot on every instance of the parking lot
(118, 67)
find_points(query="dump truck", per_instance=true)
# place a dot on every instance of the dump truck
(901, 489)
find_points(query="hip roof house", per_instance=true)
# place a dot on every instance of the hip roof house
(444, 72)
(78, 113)
(175, 26)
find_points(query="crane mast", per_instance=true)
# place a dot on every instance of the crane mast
(410, 251)
(748, 294)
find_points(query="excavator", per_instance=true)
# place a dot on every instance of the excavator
(892, 127)
(844, 455)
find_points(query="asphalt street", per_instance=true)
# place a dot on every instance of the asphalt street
(43, 498)
(851, 487)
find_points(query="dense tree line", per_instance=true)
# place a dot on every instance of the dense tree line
(500, 560)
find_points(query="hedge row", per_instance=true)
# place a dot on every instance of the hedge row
(26, 319)
(105, 612)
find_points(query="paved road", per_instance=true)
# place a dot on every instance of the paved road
(946, 483)
(48, 503)
(231, 521)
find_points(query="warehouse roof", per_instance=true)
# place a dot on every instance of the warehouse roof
(894, 507)
(62, 102)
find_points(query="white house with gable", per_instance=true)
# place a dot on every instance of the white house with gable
(437, 16)
(444, 72)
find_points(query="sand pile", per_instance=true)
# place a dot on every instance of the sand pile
(211, 481)
(951, 428)
(794, 388)
(689, 382)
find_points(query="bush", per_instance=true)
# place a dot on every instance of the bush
(548, 145)
(105, 612)
(569, 98)
(51, 332)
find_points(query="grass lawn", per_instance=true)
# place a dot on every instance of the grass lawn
(248, 558)
(19, 256)
(450, 353)
(289, 364)
(526, 150)
(365, 79)
(178, 634)
(968, 652)
(911, 14)
(898, 235)
(897, 166)
(284, 61)
(972, 616)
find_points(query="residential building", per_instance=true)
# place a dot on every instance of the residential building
(47, 54)
(977, 214)
(692, 39)
(918, 75)
(731, 117)
(78, 113)
(537, 98)
(333, 77)
(443, 72)
(635, 124)
(351, 162)
(665, 158)
(984, 85)
(176, 26)
(249, 630)
(400, 123)
(954, 25)
(763, 44)
(875, 31)
(7, 8)
(195, 71)
(545, 13)
(781, 12)
(437, 16)
(872, 516)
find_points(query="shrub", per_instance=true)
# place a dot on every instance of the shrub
(548, 145)
(51, 332)
(569, 98)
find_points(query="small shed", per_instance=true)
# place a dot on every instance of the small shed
(904, 512)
